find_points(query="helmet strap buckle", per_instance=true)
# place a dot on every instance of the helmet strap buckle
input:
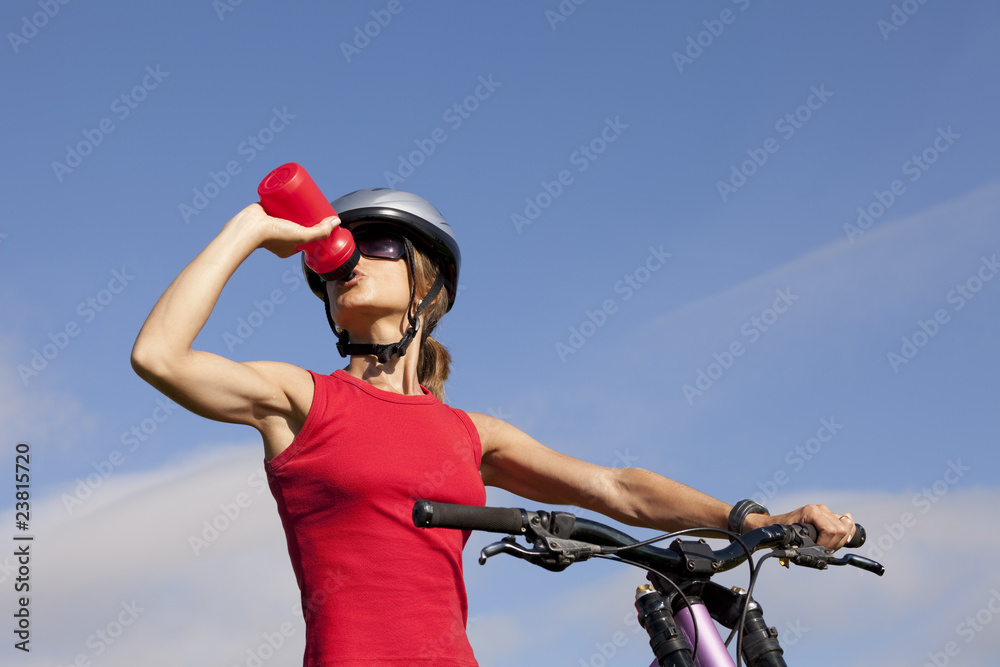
(385, 352)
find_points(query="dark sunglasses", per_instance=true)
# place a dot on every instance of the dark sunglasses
(376, 244)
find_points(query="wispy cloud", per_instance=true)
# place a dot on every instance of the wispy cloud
(36, 413)
(883, 270)
(134, 546)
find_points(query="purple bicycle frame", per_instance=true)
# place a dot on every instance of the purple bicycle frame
(712, 651)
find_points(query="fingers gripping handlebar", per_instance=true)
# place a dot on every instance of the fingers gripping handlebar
(857, 539)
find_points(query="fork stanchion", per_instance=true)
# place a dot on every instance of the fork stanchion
(668, 642)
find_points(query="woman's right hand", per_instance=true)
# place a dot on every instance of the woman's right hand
(270, 396)
(282, 237)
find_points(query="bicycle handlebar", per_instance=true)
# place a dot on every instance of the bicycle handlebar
(857, 539)
(565, 539)
(514, 521)
(509, 520)
(559, 539)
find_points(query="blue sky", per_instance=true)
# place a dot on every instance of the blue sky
(750, 247)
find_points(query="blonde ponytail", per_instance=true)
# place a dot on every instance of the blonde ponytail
(434, 361)
(434, 366)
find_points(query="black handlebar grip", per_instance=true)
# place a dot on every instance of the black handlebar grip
(429, 514)
(856, 540)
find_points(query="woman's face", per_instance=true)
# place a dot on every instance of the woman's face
(379, 289)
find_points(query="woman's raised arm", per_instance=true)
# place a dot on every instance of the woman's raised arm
(253, 393)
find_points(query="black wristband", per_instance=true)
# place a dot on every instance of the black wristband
(739, 514)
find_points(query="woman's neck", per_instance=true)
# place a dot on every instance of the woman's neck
(399, 375)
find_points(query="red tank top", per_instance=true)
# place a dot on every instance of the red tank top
(375, 589)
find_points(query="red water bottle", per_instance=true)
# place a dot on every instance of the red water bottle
(289, 192)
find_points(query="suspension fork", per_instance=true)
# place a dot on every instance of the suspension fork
(760, 645)
(708, 602)
(669, 643)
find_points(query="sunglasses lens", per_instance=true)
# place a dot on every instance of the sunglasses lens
(380, 247)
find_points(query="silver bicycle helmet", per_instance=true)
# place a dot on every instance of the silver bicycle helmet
(419, 222)
(418, 218)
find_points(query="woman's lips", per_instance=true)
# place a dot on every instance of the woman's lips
(350, 280)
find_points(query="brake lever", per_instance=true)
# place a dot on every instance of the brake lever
(813, 556)
(819, 558)
(860, 562)
(551, 553)
(505, 546)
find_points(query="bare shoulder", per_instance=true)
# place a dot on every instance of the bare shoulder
(492, 431)
(481, 421)
(280, 370)
(280, 415)
(292, 385)
(499, 438)
(515, 461)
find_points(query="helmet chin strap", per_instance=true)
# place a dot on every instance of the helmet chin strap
(385, 352)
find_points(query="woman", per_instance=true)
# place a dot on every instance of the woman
(346, 454)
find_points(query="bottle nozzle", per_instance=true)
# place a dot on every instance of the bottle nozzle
(343, 272)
